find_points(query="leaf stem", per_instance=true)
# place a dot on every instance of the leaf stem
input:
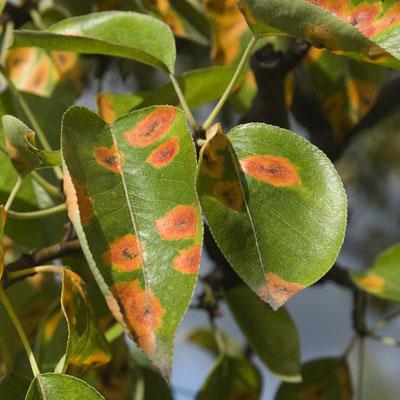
(13, 193)
(192, 121)
(361, 361)
(383, 322)
(47, 186)
(37, 214)
(17, 324)
(28, 112)
(114, 332)
(34, 270)
(245, 56)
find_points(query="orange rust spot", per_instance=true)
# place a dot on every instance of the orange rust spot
(188, 260)
(39, 78)
(152, 127)
(65, 61)
(373, 283)
(229, 193)
(276, 292)
(79, 204)
(94, 360)
(124, 253)
(321, 37)
(179, 223)
(212, 163)
(106, 110)
(108, 157)
(275, 170)
(164, 154)
(142, 310)
(19, 61)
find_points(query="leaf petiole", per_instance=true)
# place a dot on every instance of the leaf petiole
(13, 193)
(37, 214)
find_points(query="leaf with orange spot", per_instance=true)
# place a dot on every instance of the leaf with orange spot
(109, 33)
(367, 31)
(325, 378)
(143, 238)
(279, 198)
(382, 279)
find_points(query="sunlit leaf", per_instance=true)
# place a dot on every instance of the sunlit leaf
(87, 345)
(13, 387)
(271, 334)
(275, 206)
(131, 197)
(367, 31)
(109, 33)
(199, 87)
(205, 339)
(327, 378)
(61, 387)
(232, 378)
(382, 279)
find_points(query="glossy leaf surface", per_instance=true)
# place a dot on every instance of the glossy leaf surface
(131, 196)
(271, 334)
(86, 345)
(232, 378)
(382, 279)
(109, 33)
(367, 30)
(326, 379)
(275, 206)
(61, 387)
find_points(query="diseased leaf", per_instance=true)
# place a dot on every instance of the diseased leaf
(367, 31)
(87, 345)
(199, 87)
(232, 378)
(382, 279)
(61, 387)
(131, 197)
(326, 379)
(275, 206)
(109, 33)
(271, 334)
(3, 216)
(13, 387)
(347, 88)
(205, 339)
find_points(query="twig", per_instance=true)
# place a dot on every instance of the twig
(37, 214)
(13, 193)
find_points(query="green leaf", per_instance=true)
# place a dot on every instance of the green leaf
(130, 190)
(13, 387)
(271, 334)
(18, 140)
(275, 206)
(327, 379)
(232, 378)
(114, 33)
(3, 216)
(367, 31)
(61, 387)
(87, 345)
(205, 339)
(200, 86)
(382, 279)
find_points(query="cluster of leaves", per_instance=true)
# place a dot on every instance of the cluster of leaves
(131, 182)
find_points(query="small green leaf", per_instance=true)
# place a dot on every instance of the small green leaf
(61, 387)
(205, 339)
(232, 378)
(131, 196)
(367, 31)
(114, 33)
(275, 206)
(382, 279)
(271, 334)
(13, 387)
(18, 140)
(327, 378)
(87, 345)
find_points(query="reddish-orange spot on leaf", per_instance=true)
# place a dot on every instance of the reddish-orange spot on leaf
(229, 192)
(152, 127)
(374, 283)
(164, 154)
(276, 292)
(39, 78)
(105, 108)
(108, 157)
(142, 310)
(188, 260)
(77, 200)
(179, 223)
(124, 253)
(275, 170)
(212, 163)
